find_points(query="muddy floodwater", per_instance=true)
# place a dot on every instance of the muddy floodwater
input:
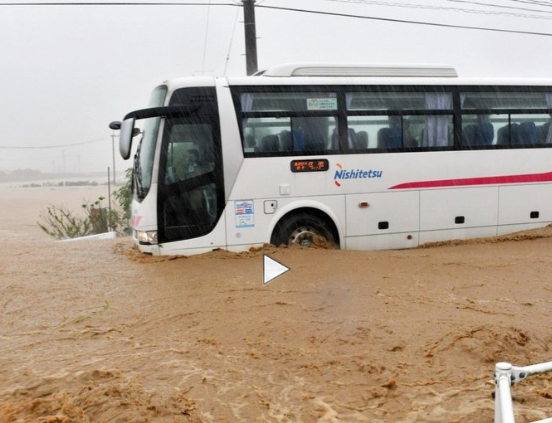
(93, 331)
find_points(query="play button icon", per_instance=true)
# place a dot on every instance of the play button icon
(272, 269)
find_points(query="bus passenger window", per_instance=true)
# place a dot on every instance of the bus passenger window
(289, 122)
(478, 130)
(516, 125)
(262, 135)
(413, 119)
(313, 133)
(366, 129)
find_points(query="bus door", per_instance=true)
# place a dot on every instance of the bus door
(191, 186)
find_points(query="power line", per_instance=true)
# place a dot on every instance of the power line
(52, 146)
(289, 9)
(454, 9)
(231, 41)
(206, 36)
(498, 6)
(536, 3)
(113, 4)
(345, 15)
(451, 9)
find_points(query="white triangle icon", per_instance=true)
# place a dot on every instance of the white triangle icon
(272, 269)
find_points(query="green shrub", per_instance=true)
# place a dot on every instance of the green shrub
(61, 223)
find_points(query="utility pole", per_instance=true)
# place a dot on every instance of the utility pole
(250, 36)
(113, 154)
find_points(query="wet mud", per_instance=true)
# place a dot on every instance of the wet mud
(93, 331)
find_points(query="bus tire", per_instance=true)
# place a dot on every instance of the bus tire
(304, 229)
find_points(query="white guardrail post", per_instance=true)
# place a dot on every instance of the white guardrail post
(504, 410)
(505, 377)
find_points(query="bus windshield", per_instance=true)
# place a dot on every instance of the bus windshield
(146, 149)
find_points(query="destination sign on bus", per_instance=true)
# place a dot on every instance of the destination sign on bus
(311, 165)
(322, 104)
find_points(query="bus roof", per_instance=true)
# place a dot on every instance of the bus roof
(358, 74)
(358, 81)
(358, 70)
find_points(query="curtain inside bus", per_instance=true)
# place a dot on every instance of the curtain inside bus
(436, 133)
(548, 99)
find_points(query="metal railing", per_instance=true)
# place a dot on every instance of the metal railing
(505, 377)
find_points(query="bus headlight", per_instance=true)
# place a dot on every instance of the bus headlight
(147, 237)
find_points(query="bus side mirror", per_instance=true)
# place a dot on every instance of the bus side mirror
(125, 137)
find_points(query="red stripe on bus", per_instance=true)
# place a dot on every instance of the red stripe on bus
(488, 180)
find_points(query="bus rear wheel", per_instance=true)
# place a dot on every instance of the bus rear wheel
(305, 230)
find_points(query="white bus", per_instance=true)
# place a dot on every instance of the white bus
(365, 157)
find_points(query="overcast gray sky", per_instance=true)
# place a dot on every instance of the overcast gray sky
(67, 71)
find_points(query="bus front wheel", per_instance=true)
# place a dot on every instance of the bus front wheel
(305, 230)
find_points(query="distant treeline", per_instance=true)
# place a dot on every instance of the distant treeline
(20, 175)
(62, 184)
(35, 177)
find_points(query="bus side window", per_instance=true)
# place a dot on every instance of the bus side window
(265, 135)
(313, 133)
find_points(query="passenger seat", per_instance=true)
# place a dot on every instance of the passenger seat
(270, 143)
(528, 133)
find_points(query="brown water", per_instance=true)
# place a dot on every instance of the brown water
(96, 332)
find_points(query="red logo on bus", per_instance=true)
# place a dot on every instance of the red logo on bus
(340, 167)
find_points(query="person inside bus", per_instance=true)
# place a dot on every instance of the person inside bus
(250, 143)
(352, 140)
(545, 133)
(298, 139)
(285, 138)
(176, 163)
(392, 137)
(193, 159)
(270, 143)
(408, 140)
